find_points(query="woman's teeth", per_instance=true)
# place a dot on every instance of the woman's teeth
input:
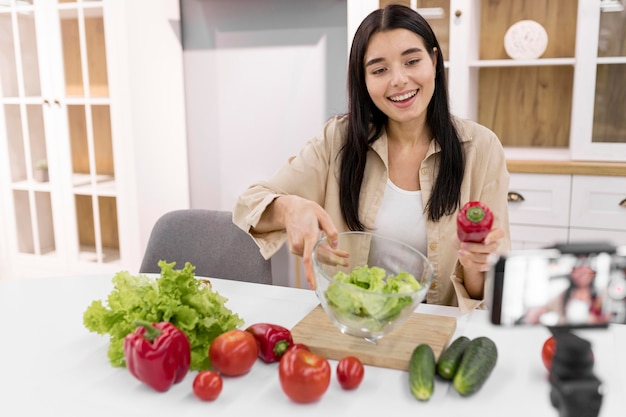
(403, 97)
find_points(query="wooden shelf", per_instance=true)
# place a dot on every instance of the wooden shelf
(496, 63)
(26, 185)
(558, 17)
(104, 185)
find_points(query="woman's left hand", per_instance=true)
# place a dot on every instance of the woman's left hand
(476, 256)
(476, 260)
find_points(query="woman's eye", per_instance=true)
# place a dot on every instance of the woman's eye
(413, 61)
(377, 71)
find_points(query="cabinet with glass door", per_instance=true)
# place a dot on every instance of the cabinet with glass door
(67, 177)
(555, 105)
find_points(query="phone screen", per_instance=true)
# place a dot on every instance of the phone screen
(555, 289)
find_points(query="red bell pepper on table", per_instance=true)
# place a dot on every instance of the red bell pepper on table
(157, 354)
(273, 339)
(473, 222)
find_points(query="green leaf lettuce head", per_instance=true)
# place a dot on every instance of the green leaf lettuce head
(368, 307)
(175, 296)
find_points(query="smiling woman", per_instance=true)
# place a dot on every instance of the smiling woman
(398, 148)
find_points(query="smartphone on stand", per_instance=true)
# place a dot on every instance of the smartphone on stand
(567, 285)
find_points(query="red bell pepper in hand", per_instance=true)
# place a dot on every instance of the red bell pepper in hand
(473, 222)
(273, 339)
(157, 354)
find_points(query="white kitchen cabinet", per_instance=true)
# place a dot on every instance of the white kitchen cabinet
(540, 199)
(539, 209)
(546, 209)
(95, 90)
(568, 102)
(598, 202)
(598, 208)
(598, 129)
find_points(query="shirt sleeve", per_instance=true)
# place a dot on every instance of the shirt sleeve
(465, 302)
(493, 191)
(305, 174)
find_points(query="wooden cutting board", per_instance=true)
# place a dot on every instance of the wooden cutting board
(317, 331)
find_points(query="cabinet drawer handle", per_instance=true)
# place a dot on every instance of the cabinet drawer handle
(623, 203)
(514, 197)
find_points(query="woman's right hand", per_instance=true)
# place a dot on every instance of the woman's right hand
(305, 221)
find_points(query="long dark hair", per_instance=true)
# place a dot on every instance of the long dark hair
(366, 122)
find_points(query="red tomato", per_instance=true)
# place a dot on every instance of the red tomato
(547, 352)
(233, 353)
(304, 376)
(350, 372)
(207, 385)
(297, 346)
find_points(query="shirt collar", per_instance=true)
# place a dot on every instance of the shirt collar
(380, 146)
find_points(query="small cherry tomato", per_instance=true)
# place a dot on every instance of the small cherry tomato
(350, 372)
(547, 352)
(233, 353)
(304, 376)
(207, 385)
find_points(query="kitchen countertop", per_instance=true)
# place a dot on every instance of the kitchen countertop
(566, 167)
(51, 365)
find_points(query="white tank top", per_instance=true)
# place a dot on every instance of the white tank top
(401, 216)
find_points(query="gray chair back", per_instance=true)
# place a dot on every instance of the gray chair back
(210, 241)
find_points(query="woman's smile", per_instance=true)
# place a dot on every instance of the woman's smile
(404, 99)
(404, 96)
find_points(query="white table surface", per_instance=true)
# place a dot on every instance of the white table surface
(51, 365)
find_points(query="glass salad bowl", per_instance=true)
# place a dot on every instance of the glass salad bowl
(376, 288)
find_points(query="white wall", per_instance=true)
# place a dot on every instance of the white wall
(261, 77)
(147, 54)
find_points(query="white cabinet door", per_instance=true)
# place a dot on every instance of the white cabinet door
(539, 200)
(538, 210)
(598, 202)
(29, 180)
(598, 128)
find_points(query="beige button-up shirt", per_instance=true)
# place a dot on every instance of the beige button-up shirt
(314, 173)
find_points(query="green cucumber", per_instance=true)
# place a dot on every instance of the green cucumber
(479, 359)
(422, 372)
(450, 359)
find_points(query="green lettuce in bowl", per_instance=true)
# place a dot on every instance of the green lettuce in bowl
(363, 294)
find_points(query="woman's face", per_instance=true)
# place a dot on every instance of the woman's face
(583, 275)
(399, 74)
